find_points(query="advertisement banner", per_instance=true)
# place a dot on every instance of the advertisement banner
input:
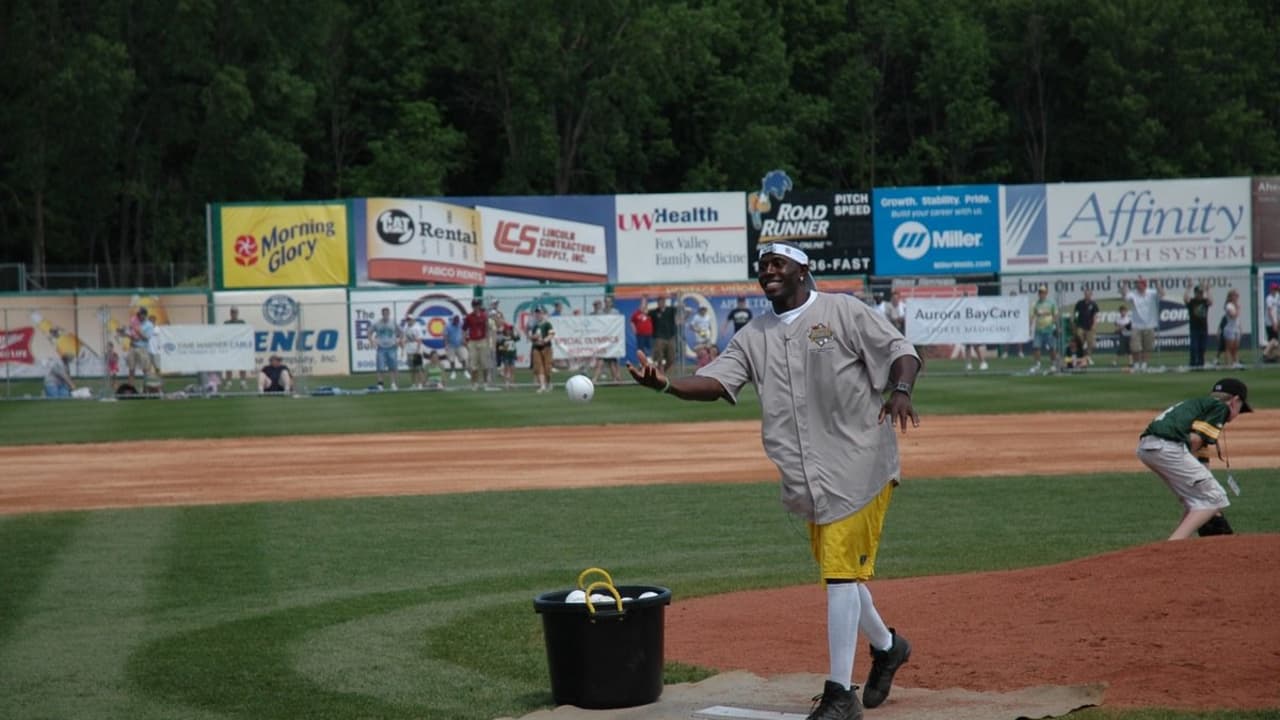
(1266, 219)
(282, 245)
(540, 247)
(833, 228)
(1159, 224)
(205, 348)
(681, 237)
(724, 302)
(418, 241)
(1174, 331)
(516, 305)
(952, 230)
(433, 309)
(36, 329)
(988, 319)
(306, 328)
(583, 337)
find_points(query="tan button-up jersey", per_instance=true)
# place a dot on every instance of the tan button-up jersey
(821, 381)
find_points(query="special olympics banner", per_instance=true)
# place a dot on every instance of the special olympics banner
(417, 241)
(993, 319)
(1157, 224)
(307, 328)
(518, 303)
(281, 245)
(435, 308)
(951, 230)
(681, 237)
(541, 247)
(205, 348)
(588, 336)
(833, 228)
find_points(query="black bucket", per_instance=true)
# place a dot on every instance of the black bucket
(601, 657)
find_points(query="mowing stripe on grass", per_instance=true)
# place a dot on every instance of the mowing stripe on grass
(29, 546)
(91, 612)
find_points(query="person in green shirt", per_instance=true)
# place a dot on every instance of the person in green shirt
(1176, 445)
(1044, 322)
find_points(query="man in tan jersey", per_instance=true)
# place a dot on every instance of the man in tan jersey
(822, 365)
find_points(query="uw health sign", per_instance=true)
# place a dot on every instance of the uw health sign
(681, 237)
(1189, 224)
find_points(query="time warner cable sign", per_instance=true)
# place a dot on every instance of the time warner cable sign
(951, 230)
(1189, 224)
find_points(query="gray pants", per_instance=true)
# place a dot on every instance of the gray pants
(1191, 481)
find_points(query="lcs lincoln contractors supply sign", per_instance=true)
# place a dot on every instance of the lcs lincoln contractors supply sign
(282, 245)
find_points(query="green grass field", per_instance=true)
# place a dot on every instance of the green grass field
(421, 607)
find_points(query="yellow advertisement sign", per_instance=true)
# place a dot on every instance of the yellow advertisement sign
(276, 246)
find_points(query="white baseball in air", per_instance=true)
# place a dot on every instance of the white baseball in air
(579, 388)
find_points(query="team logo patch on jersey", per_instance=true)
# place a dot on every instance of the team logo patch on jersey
(820, 335)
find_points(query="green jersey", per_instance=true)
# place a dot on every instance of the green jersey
(1204, 416)
(1044, 312)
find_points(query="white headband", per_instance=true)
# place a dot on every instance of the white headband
(790, 251)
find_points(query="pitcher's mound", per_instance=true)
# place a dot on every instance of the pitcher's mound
(1172, 624)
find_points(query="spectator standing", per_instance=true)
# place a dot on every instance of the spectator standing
(642, 326)
(138, 361)
(1084, 318)
(1044, 322)
(155, 381)
(505, 353)
(1124, 336)
(896, 311)
(607, 361)
(57, 379)
(1144, 301)
(1232, 330)
(275, 377)
(415, 351)
(666, 329)
(1272, 304)
(700, 325)
(1198, 305)
(738, 318)
(476, 327)
(540, 333)
(234, 319)
(386, 336)
(113, 363)
(455, 347)
(834, 379)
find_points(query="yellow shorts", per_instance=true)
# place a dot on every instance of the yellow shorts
(846, 549)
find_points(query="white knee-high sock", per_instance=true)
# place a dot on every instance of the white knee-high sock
(843, 610)
(869, 622)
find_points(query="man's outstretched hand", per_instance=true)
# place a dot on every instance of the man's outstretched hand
(647, 374)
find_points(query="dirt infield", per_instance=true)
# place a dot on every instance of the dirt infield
(1134, 619)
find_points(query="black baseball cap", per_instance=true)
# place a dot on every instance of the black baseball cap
(1232, 386)
(476, 301)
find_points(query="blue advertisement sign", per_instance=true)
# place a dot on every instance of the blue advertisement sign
(951, 230)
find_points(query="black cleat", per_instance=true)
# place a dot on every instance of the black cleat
(1217, 525)
(836, 703)
(884, 663)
